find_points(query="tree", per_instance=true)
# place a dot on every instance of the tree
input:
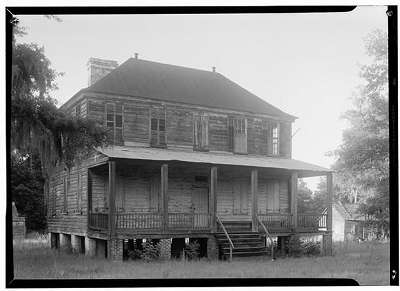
(38, 125)
(362, 163)
(304, 197)
(42, 135)
(26, 183)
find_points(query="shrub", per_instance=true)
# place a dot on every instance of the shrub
(135, 254)
(295, 247)
(298, 248)
(192, 250)
(311, 248)
(150, 251)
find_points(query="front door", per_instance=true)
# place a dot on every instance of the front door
(200, 206)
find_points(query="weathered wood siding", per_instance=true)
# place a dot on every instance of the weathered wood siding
(234, 197)
(179, 125)
(74, 224)
(218, 133)
(67, 207)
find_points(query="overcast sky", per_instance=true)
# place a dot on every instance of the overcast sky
(305, 64)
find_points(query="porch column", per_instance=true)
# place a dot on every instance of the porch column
(328, 237)
(164, 195)
(254, 198)
(212, 202)
(111, 198)
(89, 196)
(293, 197)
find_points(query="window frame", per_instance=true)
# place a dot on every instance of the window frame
(113, 121)
(201, 132)
(158, 143)
(275, 151)
(239, 127)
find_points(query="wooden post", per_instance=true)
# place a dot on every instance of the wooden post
(254, 195)
(329, 186)
(111, 198)
(89, 196)
(164, 195)
(293, 198)
(212, 202)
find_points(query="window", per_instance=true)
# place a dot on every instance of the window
(275, 139)
(239, 135)
(78, 110)
(65, 193)
(157, 132)
(114, 122)
(79, 194)
(200, 131)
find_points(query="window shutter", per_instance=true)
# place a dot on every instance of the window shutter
(269, 138)
(196, 128)
(204, 131)
(236, 198)
(230, 134)
(154, 131)
(161, 132)
(276, 196)
(244, 198)
(78, 194)
(65, 185)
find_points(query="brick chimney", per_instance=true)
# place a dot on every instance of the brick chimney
(98, 68)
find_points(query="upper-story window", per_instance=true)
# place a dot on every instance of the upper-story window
(114, 122)
(157, 138)
(78, 110)
(239, 134)
(200, 132)
(275, 138)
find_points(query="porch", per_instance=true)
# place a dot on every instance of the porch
(135, 196)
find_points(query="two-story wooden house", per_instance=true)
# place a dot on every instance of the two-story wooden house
(193, 155)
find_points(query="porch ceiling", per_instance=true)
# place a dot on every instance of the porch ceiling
(155, 154)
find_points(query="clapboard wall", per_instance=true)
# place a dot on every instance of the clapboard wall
(179, 124)
(66, 197)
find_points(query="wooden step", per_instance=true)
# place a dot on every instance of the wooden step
(226, 250)
(247, 254)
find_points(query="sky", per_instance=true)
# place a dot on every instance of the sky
(305, 64)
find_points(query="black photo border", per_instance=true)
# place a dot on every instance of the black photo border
(11, 282)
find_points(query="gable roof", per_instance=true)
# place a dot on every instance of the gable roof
(164, 82)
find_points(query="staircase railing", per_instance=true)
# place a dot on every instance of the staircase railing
(268, 235)
(231, 246)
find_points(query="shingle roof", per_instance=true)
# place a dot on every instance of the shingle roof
(141, 78)
(124, 152)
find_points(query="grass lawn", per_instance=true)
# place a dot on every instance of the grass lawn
(368, 263)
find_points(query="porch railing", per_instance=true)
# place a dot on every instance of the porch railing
(188, 220)
(98, 220)
(277, 221)
(138, 220)
(312, 221)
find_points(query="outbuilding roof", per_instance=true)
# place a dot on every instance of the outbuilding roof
(123, 152)
(164, 82)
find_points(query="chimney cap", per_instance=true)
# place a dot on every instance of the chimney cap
(136, 55)
(213, 69)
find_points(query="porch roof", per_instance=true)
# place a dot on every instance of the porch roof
(139, 153)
